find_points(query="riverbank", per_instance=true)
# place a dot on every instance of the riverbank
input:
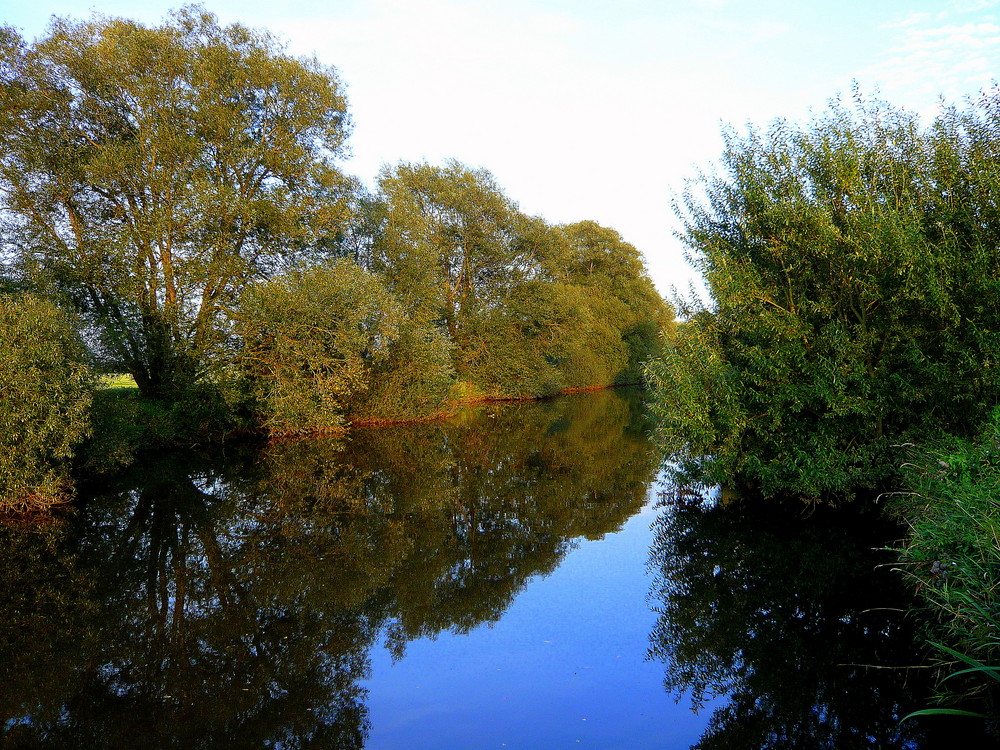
(951, 556)
(127, 426)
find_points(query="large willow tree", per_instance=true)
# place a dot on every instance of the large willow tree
(853, 266)
(450, 242)
(530, 308)
(149, 173)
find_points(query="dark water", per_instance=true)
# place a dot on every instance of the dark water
(508, 579)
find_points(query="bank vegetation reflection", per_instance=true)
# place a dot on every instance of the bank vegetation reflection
(234, 600)
(794, 618)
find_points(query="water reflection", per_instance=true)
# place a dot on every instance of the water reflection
(793, 619)
(234, 600)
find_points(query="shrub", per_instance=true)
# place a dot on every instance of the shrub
(853, 269)
(329, 342)
(413, 381)
(46, 388)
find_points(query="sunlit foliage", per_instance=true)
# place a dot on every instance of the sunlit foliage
(330, 342)
(853, 269)
(176, 185)
(46, 388)
(150, 172)
(530, 308)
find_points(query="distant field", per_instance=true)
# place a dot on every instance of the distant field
(118, 380)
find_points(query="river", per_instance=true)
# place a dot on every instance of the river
(515, 577)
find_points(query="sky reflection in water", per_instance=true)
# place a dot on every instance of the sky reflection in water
(565, 667)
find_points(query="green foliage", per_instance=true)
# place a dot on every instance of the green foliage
(46, 388)
(952, 553)
(450, 244)
(627, 316)
(329, 342)
(530, 308)
(414, 380)
(518, 349)
(854, 277)
(696, 398)
(126, 425)
(149, 173)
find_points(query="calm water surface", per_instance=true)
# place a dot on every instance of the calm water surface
(511, 578)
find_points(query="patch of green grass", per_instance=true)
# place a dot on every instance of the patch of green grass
(117, 380)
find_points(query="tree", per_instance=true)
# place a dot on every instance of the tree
(149, 173)
(450, 244)
(531, 308)
(852, 261)
(627, 316)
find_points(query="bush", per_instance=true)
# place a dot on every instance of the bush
(853, 267)
(516, 348)
(414, 381)
(327, 343)
(46, 388)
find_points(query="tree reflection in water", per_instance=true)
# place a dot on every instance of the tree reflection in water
(233, 600)
(779, 611)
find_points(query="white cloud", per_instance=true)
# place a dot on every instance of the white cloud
(945, 55)
(912, 19)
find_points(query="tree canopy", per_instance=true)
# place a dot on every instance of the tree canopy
(530, 308)
(853, 268)
(149, 173)
(177, 186)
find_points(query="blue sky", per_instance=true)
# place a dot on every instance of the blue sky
(600, 110)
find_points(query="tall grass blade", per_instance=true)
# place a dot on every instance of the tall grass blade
(977, 666)
(943, 712)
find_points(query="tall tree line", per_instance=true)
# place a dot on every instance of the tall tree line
(176, 189)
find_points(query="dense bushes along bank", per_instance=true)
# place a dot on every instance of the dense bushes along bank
(855, 282)
(245, 281)
(854, 271)
(316, 348)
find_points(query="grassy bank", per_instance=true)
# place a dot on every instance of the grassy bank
(952, 556)
(125, 424)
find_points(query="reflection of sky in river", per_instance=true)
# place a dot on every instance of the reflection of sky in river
(565, 667)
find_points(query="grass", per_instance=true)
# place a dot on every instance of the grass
(952, 556)
(117, 380)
